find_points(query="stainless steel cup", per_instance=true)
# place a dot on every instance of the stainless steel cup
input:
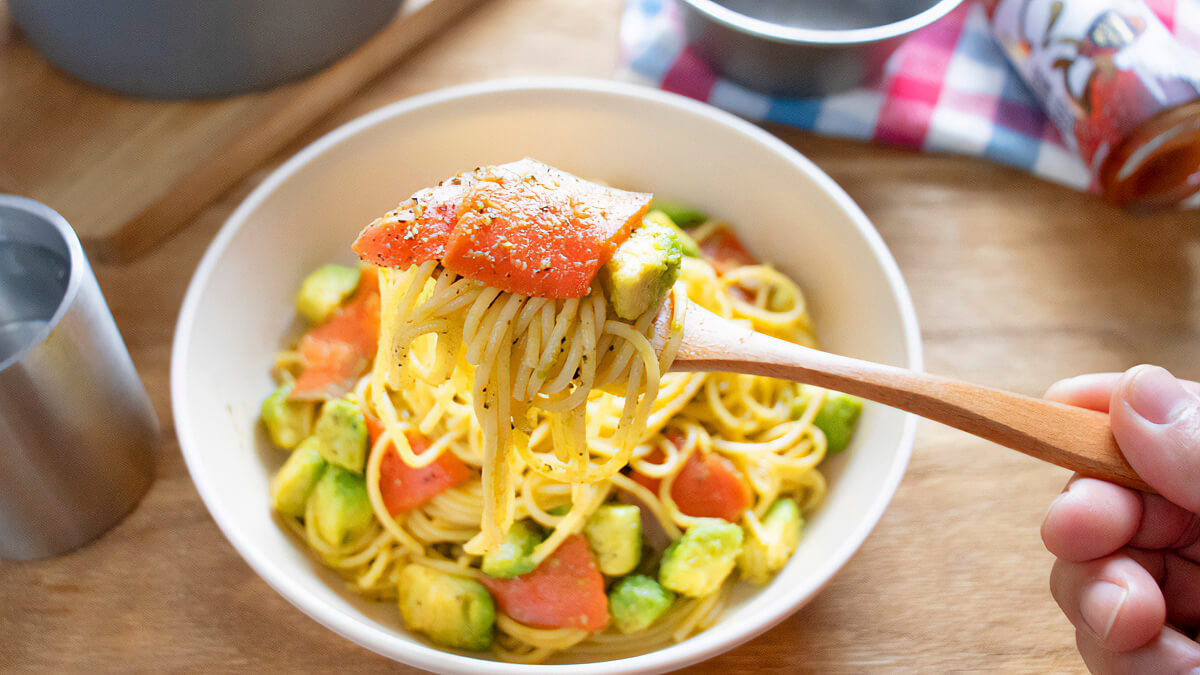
(77, 429)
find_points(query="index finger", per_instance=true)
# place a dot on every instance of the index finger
(1091, 519)
(1094, 390)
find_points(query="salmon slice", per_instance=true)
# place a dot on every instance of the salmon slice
(337, 352)
(523, 227)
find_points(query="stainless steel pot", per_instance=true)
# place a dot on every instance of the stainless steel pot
(196, 48)
(804, 47)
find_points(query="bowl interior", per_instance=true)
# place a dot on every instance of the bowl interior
(825, 15)
(239, 309)
(820, 22)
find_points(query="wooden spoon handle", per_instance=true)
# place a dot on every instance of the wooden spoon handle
(1070, 437)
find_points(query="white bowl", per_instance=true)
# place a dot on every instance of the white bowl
(239, 308)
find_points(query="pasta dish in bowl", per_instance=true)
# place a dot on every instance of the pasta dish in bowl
(481, 445)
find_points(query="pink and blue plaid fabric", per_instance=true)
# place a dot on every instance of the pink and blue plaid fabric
(948, 88)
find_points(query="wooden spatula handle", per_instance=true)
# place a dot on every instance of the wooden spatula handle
(1070, 437)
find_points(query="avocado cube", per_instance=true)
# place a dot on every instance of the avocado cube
(642, 270)
(454, 612)
(697, 563)
(287, 422)
(688, 246)
(342, 434)
(512, 557)
(681, 214)
(614, 532)
(782, 528)
(324, 290)
(837, 418)
(297, 478)
(341, 506)
(637, 601)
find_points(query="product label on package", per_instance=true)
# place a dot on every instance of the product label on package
(1100, 67)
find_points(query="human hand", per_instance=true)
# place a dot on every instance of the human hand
(1128, 568)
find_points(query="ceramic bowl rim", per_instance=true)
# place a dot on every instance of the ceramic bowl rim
(797, 35)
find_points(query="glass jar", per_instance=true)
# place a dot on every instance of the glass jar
(1120, 89)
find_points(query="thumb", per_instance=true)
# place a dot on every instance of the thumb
(1156, 421)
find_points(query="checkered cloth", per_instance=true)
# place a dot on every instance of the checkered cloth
(948, 88)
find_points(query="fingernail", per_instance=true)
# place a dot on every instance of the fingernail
(1100, 604)
(1156, 395)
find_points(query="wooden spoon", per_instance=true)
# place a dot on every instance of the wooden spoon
(1073, 438)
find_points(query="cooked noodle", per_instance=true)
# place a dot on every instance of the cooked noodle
(549, 400)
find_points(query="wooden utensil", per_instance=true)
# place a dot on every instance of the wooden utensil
(1070, 437)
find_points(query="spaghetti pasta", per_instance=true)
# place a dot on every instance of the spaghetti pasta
(557, 407)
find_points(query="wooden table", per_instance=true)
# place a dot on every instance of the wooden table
(1016, 282)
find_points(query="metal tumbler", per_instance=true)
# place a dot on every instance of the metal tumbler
(77, 429)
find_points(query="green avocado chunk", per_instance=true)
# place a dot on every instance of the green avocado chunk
(697, 563)
(681, 214)
(637, 601)
(782, 527)
(287, 422)
(614, 532)
(324, 289)
(688, 246)
(837, 418)
(512, 557)
(342, 434)
(297, 478)
(453, 612)
(341, 506)
(642, 270)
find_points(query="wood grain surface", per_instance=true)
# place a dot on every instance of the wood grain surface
(1016, 283)
(214, 144)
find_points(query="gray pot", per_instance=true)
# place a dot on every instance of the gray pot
(196, 48)
(804, 47)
